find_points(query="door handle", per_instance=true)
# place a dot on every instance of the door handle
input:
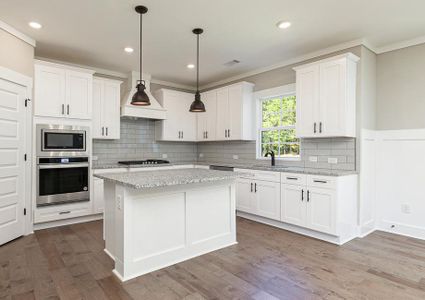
(67, 109)
(320, 127)
(106, 131)
(63, 109)
(308, 196)
(251, 186)
(315, 127)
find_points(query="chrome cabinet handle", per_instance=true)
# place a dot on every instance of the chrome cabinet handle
(63, 109)
(67, 109)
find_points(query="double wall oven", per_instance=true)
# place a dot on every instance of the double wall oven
(63, 168)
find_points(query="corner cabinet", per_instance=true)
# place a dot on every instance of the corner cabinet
(326, 97)
(106, 108)
(62, 91)
(180, 124)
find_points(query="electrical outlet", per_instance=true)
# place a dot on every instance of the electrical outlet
(235, 156)
(405, 208)
(119, 203)
(201, 155)
(332, 160)
(164, 156)
(94, 157)
(312, 158)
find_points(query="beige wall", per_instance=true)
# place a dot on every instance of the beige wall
(367, 90)
(401, 89)
(16, 54)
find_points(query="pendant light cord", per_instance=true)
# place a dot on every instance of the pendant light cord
(140, 50)
(197, 63)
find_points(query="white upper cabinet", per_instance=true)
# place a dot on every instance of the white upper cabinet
(180, 124)
(207, 121)
(62, 91)
(106, 109)
(233, 116)
(326, 97)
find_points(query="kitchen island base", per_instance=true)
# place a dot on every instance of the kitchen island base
(146, 230)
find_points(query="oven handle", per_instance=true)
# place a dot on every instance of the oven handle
(62, 166)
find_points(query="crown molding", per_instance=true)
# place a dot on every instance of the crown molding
(401, 45)
(172, 84)
(6, 27)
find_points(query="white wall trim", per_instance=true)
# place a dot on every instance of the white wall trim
(402, 229)
(172, 84)
(64, 222)
(6, 27)
(401, 45)
(16, 77)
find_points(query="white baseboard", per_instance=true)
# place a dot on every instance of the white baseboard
(68, 221)
(300, 230)
(367, 228)
(402, 229)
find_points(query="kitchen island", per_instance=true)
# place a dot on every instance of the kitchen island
(154, 219)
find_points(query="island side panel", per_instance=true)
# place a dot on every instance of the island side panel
(109, 218)
(165, 226)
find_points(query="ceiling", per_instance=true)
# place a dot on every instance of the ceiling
(94, 32)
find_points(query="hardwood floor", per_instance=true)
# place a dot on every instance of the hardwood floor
(268, 263)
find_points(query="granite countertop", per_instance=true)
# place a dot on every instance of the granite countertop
(258, 167)
(162, 178)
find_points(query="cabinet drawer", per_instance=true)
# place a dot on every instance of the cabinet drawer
(60, 212)
(295, 179)
(325, 182)
(260, 175)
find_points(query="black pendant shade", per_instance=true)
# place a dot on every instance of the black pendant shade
(140, 98)
(197, 105)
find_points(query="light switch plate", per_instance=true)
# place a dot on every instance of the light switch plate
(405, 208)
(332, 160)
(164, 155)
(235, 156)
(312, 158)
(201, 155)
(94, 157)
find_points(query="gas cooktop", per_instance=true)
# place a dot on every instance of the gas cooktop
(144, 162)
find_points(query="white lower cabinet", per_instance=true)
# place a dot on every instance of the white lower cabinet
(293, 204)
(258, 197)
(321, 210)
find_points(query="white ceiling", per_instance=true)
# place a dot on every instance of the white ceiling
(94, 32)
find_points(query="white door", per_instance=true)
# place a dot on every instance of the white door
(235, 112)
(245, 200)
(49, 91)
(97, 132)
(222, 114)
(293, 199)
(332, 98)
(307, 101)
(12, 164)
(78, 95)
(111, 110)
(321, 210)
(267, 196)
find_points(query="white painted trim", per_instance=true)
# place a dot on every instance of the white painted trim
(172, 84)
(401, 45)
(6, 27)
(288, 62)
(276, 91)
(402, 229)
(16, 77)
(348, 56)
(71, 221)
(62, 65)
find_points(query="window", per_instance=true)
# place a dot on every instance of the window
(277, 126)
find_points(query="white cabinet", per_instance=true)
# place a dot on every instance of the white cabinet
(207, 121)
(321, 210)
(62, 91)
(106, 109)
(180, 124)
(326, 97)
(293, 204)
(235, 112)
(258, 197)
(98, 196)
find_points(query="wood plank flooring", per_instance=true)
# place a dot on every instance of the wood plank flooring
(268, 263)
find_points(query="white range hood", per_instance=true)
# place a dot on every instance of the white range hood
(153, 111)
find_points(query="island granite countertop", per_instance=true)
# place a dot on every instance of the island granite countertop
(162, 178)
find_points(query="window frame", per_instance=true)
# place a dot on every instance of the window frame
(281, 91)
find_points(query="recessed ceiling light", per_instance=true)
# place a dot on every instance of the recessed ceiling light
(283, 24)
(190, 66)
(35, 25)
(128, 49)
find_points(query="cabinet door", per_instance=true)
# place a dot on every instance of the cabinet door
(245, 200)
(307, 101)
(267, 199)
(293, 201)
(222, 114)
(98, 197)
(332, 98)
(49, 91)
(111, 110)
(172, 127)
(79, 95)
(321, 210)
(98, 110)
(235, 112)
(211, 115)
(187, 118)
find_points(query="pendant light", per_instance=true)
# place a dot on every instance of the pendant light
(197, 105)
(140, 98)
